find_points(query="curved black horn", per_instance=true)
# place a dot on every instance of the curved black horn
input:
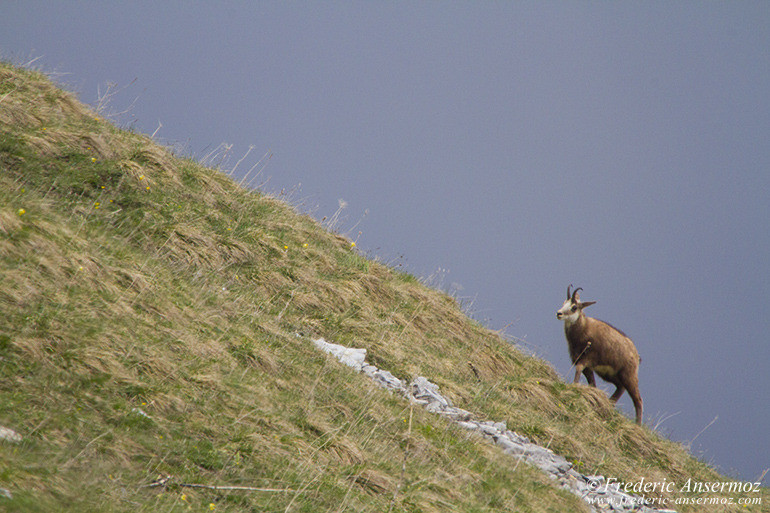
(568, 292)
(574, 292)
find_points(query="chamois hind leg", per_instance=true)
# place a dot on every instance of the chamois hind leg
(589, 374)
(632, 384)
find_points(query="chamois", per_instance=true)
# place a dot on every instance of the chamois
(596, 346)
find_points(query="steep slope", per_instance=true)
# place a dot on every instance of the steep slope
(157, 321)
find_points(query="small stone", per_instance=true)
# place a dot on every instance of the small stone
(577, 475)
(140, 412)
(424, 390)
(489, 429)
(455, 413)
(513, 435)
(9, 435)
(547, 461)
(387, 380)
(369, 370)
(510, 447)
(562, 464)
(472, 426)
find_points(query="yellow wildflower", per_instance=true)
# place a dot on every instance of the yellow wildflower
(22, 211)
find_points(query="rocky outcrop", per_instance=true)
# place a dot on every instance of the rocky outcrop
(594, 490)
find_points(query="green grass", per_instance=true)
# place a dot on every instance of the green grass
(157, 321)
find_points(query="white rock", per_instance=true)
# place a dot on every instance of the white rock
(425, 391)
(387, 380)
(9, 435)
(471, 426)
(455, 413)
(492, 429)
(350, 356)
(516, 437)
(369, 370)
(140, 412)
(510, 447)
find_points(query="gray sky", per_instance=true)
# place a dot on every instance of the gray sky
(507, 149)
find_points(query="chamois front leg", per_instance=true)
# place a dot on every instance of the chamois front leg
(578, 370)
(581, 367)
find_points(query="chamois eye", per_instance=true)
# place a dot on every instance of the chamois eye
(574, 308)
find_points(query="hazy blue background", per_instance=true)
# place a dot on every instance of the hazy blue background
(505, 149)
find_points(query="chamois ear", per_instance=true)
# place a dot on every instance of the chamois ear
(587, 303)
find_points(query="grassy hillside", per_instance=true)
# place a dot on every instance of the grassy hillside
(156, 320)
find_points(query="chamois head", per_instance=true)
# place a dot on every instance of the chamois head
(572, 307)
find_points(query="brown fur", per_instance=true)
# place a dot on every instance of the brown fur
(596, 346)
